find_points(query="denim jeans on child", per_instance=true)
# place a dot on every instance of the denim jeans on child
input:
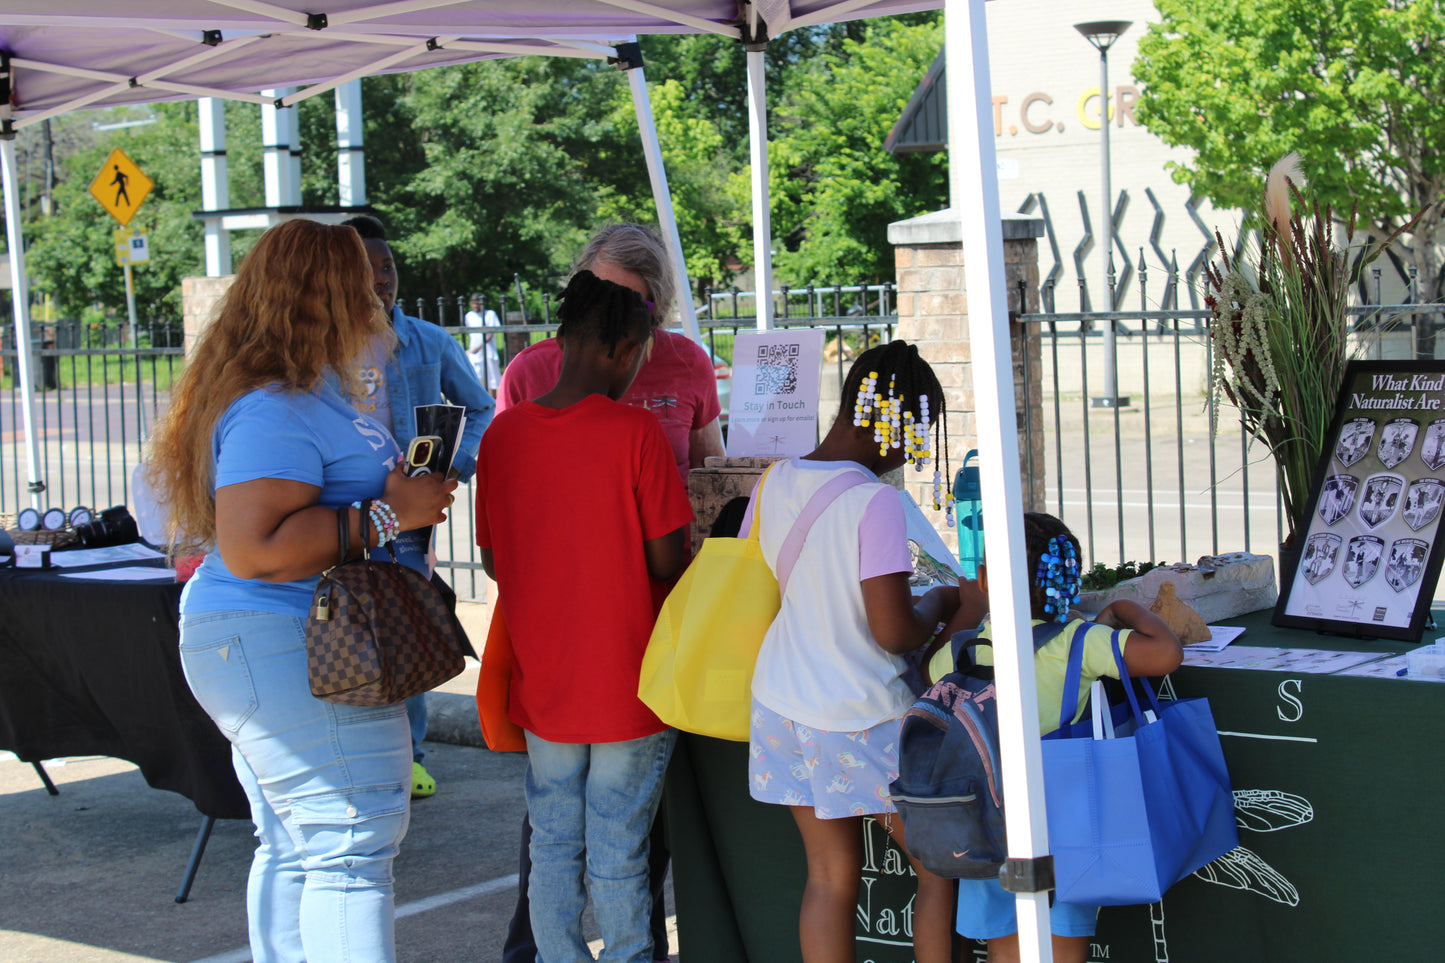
(329, 787)
(591, 807)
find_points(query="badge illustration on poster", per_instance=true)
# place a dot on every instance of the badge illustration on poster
(1371, 551)
(773, 410)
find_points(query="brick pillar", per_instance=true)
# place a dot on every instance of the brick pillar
(199, 296)
(933, 313)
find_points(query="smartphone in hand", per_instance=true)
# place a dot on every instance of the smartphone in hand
(424, 456)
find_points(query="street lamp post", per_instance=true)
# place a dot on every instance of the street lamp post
(1102, 34)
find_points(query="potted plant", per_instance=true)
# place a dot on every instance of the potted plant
(1279, 327)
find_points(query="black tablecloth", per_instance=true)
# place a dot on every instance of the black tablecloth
(92, 668)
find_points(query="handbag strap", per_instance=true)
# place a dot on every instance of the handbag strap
(343, 531)
(1129, 684)
(822, 498)
(1073, 675)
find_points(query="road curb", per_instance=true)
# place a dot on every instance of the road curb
(452, 719)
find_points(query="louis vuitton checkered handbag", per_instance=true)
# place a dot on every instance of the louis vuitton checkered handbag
(379, 632)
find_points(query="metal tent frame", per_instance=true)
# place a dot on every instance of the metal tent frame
(113, 52)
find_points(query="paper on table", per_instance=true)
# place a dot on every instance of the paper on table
(1312, 661)
(922, 533)
(1219, 637)
(134, 552)
(134, 573)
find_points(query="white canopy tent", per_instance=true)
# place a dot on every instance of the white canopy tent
(62, 55)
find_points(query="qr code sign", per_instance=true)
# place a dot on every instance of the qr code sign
(777, 369)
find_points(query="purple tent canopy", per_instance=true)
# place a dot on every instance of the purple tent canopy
(63, 55)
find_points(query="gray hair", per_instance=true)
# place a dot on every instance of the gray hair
(633, 247)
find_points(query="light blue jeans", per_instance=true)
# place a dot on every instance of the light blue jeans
(591, 807)
(329, 787)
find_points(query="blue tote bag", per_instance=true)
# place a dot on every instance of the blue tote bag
(1130, 816)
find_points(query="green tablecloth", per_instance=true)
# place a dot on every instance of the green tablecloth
(1336, 777)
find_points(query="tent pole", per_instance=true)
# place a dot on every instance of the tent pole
(973, 186)
(20, 296)
(662, 196)
(762, 220)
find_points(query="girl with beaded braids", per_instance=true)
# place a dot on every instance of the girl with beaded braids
(827, 689)
(1150, 648)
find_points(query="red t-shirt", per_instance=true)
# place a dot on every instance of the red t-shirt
(677, 384)
(571, 575)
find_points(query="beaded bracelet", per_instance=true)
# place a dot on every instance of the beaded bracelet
(383, 520)
(386, 523)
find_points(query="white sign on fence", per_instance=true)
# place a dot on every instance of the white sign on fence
(774, 402)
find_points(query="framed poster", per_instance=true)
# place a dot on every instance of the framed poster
(1370, 552)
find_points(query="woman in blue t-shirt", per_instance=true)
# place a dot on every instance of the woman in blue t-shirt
(259, 452)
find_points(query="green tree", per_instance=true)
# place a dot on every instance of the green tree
(834, 188)
(1353, 85)
(71, 252)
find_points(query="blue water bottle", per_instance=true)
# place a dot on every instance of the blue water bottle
(968, 509)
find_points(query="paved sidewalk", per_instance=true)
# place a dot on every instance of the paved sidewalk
(90, 875)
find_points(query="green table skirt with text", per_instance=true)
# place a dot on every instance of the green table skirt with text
(1336, 778)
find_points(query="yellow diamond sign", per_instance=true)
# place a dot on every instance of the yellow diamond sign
(120, 186)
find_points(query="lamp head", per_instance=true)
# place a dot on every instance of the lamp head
(1103, 33)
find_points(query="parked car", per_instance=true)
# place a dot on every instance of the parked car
(724, 374)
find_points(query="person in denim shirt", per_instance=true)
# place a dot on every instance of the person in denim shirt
(427, 367)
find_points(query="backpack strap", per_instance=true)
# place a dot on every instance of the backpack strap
(822, 498)
(966, 641)
(756, 526)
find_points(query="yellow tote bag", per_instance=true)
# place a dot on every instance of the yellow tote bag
(697, 672)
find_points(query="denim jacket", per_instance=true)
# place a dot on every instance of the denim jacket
(428, 367)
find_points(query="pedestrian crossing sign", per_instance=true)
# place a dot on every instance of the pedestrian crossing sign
(120, 186)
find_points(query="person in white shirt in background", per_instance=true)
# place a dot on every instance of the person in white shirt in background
(482, 347)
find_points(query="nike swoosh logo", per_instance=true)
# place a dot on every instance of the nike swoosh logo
(958, 855)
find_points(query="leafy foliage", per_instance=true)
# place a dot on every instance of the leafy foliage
(834, 188)
(1280, 330)
(505, 167)
(1100, 576)
(1353, 85)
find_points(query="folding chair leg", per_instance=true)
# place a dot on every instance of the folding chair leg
(45, 778)
(197, 852)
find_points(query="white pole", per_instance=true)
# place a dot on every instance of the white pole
(130, 307)
(662, 196)
(350, 152)
(1111, 373)
(215, 184)
(277, 161)
(973, 183)
(20, 298)
(140, 411)
(762, 219)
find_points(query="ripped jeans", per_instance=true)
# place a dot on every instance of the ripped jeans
(328, 786)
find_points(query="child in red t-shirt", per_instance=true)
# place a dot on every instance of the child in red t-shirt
(595, 753)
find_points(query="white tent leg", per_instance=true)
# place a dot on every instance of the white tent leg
(973, 186)
(20, 295)
(762, 219)
(662, 196)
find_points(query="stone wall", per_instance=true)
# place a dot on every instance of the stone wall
(199, 296)
(933, 313)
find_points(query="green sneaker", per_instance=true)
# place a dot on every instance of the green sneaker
(422, 784)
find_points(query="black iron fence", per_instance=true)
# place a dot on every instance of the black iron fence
(1165, 476)
(97, 392)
